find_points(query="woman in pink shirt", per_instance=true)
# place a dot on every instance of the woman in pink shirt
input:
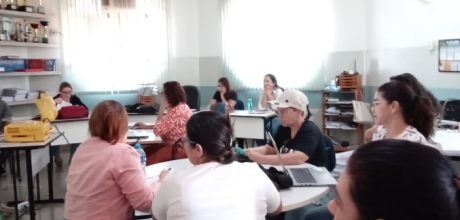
(105, 179)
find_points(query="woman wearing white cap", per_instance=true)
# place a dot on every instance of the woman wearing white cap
(298, 139)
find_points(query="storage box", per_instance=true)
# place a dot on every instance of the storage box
(350, 82)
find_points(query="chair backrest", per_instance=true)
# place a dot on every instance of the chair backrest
(239, 105)
(330, 153)
(193, 97)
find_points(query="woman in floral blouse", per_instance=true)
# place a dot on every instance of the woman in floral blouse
(170, 127)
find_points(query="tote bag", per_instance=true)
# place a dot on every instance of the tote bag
(361, 110)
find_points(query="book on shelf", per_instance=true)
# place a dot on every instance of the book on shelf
(9, 57)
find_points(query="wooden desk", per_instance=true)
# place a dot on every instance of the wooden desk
(31, 148)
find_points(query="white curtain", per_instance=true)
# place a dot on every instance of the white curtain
(113, 49)
(288, 38)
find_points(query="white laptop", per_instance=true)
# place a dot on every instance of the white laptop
(311, 176)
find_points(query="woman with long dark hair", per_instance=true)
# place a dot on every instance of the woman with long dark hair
(216, 187)
(402, 114)
(170, 127)
(223, 97)
(419, 90)
(397, 180)
(272, 91)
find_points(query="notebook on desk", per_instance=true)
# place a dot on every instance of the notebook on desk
(137, 134)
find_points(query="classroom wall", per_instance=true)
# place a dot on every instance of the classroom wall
(399, 34)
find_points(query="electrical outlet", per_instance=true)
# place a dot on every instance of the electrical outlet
(23, 205)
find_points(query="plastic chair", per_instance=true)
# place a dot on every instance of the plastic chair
(330, 153)
(193, 97)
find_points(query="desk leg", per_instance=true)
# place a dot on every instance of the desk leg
(18, 164)
(50, 182)
(15, 190)
(38, 187)
(50, 176)
(30, 185)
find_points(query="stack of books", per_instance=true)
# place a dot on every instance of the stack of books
(15, 93)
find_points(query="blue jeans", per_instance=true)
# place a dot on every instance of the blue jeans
(56, 150)
(220, 107)
(317, 211)
(271, 127)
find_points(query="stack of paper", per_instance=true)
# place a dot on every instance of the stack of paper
(338, 125)
(32, 95)
(7, 98)
(15, 93)
(332, 111)
(332, 99)
(148, 90)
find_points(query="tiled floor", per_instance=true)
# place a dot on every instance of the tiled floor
(43, 212)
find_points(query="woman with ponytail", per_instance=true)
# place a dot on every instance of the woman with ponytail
(215, 187)
(402, 114)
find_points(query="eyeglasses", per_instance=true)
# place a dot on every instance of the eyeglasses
(186, 140)
(281, 112)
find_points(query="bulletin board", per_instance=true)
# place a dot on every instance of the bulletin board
(449, 55)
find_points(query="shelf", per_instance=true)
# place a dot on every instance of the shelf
(23, 102)
(20, 14)
(340, 129)
(44, 73)
(341, 116)
(24, 44)
(331, 103)
(340, 92)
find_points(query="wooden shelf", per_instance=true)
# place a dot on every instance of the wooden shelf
(340, 92)
(20, 14)
(23, 102)
(24, 44)
(44, 73)
(340, 129)
(341, 116)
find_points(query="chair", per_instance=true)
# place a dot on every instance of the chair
(330, 153)
(193, 97)
(239, 105)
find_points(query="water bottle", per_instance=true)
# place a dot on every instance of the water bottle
(142, 155)
(249, 105)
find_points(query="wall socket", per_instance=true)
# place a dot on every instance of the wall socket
(23, 205)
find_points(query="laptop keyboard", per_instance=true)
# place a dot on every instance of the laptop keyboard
(302, 175)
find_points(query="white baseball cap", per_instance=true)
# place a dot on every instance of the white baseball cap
(292, 99)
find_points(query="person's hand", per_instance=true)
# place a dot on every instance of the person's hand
(164, 103)
(254, 155)
(140, 125)
(163, 175)
(58, 100)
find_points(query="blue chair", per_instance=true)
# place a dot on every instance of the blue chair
(330, 153)
(239, 105)
(193, 97)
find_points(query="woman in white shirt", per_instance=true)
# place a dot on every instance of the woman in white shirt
(272, 91)
(216, 187)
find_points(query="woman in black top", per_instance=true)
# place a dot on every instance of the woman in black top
(223, 96)
(65, 94)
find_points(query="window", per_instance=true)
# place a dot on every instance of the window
(287, 38)
(113, 49)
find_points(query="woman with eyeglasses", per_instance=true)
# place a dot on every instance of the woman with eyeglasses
(299, 139)
(65, 96)
(170, 127)
(418, 89)
(223, 97)
(216, 187)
